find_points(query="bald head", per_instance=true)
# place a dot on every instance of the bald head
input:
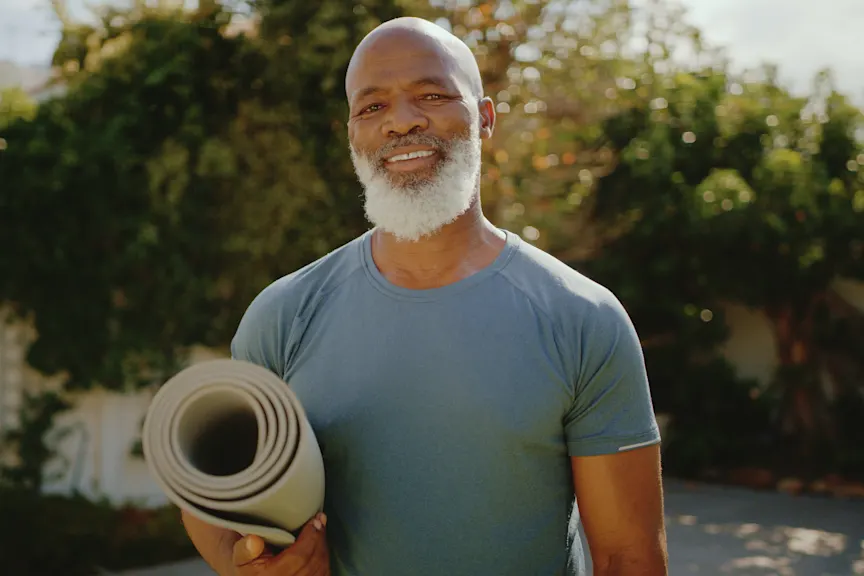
(407, 38)
(417, 116)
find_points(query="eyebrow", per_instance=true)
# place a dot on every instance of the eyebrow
(425, 81)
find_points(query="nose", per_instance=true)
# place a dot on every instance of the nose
(404, 118)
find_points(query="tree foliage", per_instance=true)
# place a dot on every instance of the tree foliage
(733, 191)
(15, 104)
(110, 257)
(184, 169)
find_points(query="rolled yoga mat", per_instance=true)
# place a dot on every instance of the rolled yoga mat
(229, 443)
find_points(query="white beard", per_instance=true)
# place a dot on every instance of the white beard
(412, 211)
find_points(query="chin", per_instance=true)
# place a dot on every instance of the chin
(412, 213)
(411, 181)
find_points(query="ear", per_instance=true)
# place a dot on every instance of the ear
(487, 117)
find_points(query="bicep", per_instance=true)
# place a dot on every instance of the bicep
(612, 410)
(620, 499)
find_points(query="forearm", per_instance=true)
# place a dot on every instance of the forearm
(642, 563)
(215, 545)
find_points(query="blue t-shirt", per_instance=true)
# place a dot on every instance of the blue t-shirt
(447, 417)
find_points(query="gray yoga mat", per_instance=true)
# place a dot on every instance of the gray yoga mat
(229, 442)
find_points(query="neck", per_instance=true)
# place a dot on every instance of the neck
(456, 251)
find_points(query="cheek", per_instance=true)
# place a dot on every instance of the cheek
(355, 136)
(454, 120)
(362, 138)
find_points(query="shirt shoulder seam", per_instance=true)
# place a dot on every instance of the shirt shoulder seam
(530, 299)
(556, 327)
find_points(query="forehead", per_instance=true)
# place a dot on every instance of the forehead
(397, 59)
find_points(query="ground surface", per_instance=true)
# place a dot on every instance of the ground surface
(717, 531)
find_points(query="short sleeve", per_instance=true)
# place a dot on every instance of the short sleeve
(612, 410)
(261, 333)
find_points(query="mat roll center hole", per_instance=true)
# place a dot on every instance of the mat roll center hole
(219, 436)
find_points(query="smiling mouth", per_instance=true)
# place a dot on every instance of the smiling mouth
(412, 162)
(410, 156)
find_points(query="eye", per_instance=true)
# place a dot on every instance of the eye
(371, 108)
(433, 97)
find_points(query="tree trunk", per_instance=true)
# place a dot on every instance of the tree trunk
(804, 413)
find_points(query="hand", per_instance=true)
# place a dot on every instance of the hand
(308, 556)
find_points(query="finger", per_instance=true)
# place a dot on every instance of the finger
(321, 569)
(248, 549)
(321, 563)
(318, 562)
(321, 553)
(310, 538)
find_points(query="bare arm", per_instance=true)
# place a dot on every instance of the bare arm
(620, 500)
(215, 545)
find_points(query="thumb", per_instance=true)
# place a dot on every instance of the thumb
(247, 549)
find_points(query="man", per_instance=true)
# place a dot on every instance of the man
(462, 383)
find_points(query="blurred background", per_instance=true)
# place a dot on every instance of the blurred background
(163, 161)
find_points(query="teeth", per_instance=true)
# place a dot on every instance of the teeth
(411, 156)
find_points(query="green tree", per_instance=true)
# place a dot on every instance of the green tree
(738, 192)
(103, 261)
(15, 104)
(550, 71)
(185, 168)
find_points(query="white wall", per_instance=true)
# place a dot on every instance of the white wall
(102, 429)
(851, 291)
(96, 453)
(16, 376)
(752, 348)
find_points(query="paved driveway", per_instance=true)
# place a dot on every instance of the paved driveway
(716, 531)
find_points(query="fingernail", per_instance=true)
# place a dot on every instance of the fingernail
(317, 524)
(250, 546)
(323, 519)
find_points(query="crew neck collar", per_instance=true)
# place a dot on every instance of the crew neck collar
(511, 245)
